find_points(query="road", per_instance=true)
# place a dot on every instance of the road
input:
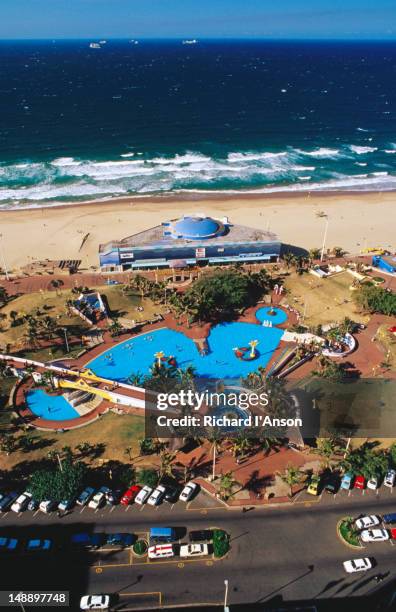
(290, 552)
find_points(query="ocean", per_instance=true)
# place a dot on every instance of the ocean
(158, 117)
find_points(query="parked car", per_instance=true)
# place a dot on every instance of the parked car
(85, 496)
(389, 518)
(389, 480)
(374, 535)
(21, 502)
(332, 484)
(393, 534)
(113, 497)
(157, 496)
(120, 539)
(143, 495)
(95, 602)
(48, 506)
(200, 535)
(7, 500)
(38, 545)
(160, 551)
(8, 544)
(194, 550)
(33, 505)
(162, 535)
(172, 493)
(347, 481)
(357, 565)
(65, 505)
(373, 484)
(313, 487)
(130, 495)
(365, 522)
(99, 499)
(360, 482)
(87, 540)
(188, 491)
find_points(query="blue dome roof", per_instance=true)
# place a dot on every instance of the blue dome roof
(194, 228)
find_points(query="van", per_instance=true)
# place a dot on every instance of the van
(389, 518)
(162, 535)
(161, 551)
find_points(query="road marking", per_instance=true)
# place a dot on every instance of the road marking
(82, 509)
(209, 562)
(180, 564)
(98, 570)
(204, 512)
(36, 513)
(112, 509)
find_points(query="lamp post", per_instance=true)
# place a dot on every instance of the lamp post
(66, 340)
(324, 237)
(226, 608)
(3, 258)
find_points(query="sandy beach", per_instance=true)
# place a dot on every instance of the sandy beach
(356, 221)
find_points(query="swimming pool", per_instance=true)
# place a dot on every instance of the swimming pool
(262, 314)
(136, 355)
(51, 407)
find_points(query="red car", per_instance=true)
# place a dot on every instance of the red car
(130, 495)
(393, 534)
(360, 482)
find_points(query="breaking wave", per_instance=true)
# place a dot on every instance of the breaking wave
(66, 179)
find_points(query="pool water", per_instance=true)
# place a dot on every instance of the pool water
(51, 407)
(280, 316)
(136, 355)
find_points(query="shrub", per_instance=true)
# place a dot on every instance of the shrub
(140, 547)
(221, 543)
(348, 531)
(148, 476)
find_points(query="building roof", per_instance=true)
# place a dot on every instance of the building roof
(193, 233)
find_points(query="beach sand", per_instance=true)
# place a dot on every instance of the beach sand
(356, 221)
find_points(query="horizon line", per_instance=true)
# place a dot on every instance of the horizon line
(202, 38)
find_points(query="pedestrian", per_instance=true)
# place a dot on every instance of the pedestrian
(244, 510)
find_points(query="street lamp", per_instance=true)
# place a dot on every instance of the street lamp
(3, 258)
(226, 608)
(66, 340)
(324, 237)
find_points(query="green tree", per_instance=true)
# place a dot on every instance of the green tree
(166, 465)
(148, 476)
(375, 299)
(58, 483)
(227, 485)
(291, 476)
(8, 444)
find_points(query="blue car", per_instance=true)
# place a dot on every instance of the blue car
(38, 545)
(8, 544)
(346, 481)
(85, 496)
(120, 539)
(86, 540)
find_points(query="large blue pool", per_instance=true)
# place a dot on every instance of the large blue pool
(137, 354)
(52, 407)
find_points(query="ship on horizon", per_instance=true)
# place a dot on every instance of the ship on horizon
(192, 41)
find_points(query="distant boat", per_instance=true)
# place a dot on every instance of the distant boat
(102, 42)
(94, 46)
(193, 41)
(134, 42)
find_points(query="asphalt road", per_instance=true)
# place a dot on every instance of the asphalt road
(284, 553)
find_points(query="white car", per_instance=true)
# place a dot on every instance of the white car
(188, 491)
(374, 535)
(47, 506)
(143, 495)
(389, 480)
(95, 602)
(367, 521)
(21, 502)
(194, 550)
(357, 565)
(156, 496)
(372, 484)
(98, 500)
(160, 551)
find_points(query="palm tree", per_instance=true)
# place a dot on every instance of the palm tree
(128, 452)
(291, 476)
(226, 485)
(166, 466)
(314, 253)
(268, 443)
(241, 443)
(288, 258)
(214, 436)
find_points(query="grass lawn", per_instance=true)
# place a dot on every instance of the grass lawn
(49, 303)
(115, 432)
(124, 304)
(324, 300)
(6, 385)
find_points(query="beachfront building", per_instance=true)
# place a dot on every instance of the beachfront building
(190, 240)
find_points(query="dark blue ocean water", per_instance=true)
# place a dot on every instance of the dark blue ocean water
(78, 123)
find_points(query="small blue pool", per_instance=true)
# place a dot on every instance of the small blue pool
(137, 354)
(262, 314)
(51, 407)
